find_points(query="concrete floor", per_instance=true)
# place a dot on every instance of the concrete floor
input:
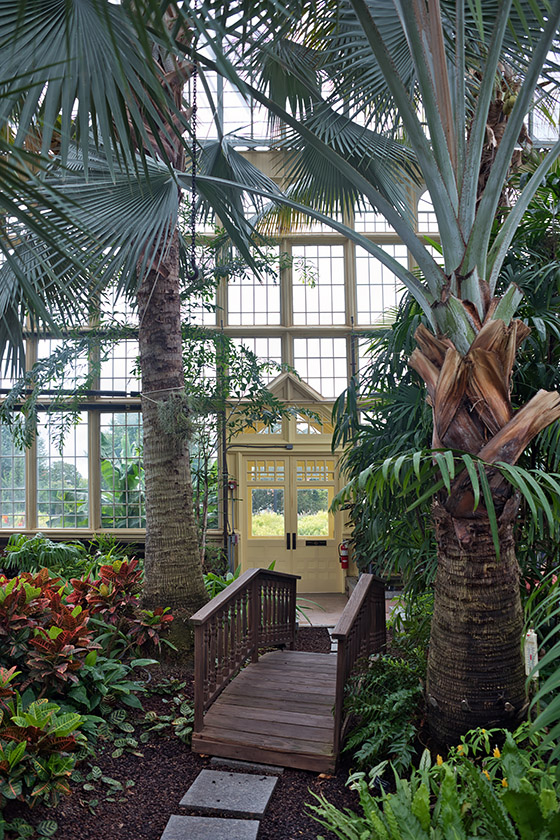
(323, 609)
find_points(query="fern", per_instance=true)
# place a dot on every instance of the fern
(384, 701)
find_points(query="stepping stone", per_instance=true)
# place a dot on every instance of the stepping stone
(270, 769)
(216, 791)
(209, 828)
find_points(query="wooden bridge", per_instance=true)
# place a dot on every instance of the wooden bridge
(276, 706)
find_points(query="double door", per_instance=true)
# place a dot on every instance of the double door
(287, 519)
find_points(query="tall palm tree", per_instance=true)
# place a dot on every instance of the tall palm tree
(453, 83)
(93, 124)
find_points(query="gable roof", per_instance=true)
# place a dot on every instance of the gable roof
(290, 389)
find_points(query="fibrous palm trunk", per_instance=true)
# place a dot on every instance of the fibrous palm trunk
(476, 674)
(173, 569)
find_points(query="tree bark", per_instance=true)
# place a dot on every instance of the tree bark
(173, 572)
(476, 675)
(475, 667)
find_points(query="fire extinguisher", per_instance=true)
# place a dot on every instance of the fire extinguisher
(343, 554)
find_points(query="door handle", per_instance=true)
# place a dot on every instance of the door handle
(288, 546)
(293, 542)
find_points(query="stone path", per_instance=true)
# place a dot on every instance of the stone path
(240, 798)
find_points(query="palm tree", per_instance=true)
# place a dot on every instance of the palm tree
(93, 125)
(453, 82)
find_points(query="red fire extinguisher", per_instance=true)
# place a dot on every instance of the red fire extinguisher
(343, 554)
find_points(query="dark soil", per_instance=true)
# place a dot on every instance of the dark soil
(165, 771)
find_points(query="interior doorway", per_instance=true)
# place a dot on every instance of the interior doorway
(285, 518)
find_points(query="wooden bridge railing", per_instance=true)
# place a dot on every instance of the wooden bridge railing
(360, 631)
(257, 610)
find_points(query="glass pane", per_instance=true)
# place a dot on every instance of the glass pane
(321, 362)
(318, 284)
(265, 470)
(67, 376)
(313, 512)
(378, 290)
(119, 371)
(122, 474)
(367, 220)
(267, 512)
(62, 474)
(12, 476)
(254, 300)
(313, 469)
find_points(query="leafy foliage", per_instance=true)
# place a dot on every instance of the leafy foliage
(410, 623)
(542, 610)
(384, 701)
(47, 639)
(510, 794)
(29, 554)
(36, 742)
(113, 599)
(216, 583)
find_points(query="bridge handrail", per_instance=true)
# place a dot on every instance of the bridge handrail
(256, 610)
(360, 631)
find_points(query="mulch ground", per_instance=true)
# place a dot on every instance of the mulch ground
(165, 770)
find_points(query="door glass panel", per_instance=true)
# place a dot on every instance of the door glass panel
(313, 518)
(267, 512)
(265, 470)
(315, 470)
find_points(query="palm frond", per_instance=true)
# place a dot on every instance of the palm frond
(82, 66)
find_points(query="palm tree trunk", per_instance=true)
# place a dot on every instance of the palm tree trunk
(476, 674)
(173, 573)
(475, 666)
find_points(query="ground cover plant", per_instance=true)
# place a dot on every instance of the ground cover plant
(480, 790)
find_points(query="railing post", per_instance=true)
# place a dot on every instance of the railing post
(339, 692)
(292, 614)
(199, 677)
(255, 618)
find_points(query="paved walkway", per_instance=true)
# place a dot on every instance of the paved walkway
(240, 798)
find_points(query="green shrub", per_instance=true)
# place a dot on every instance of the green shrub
(508, 795)
(267, 524)
(37, 743)
(112, 600)
(384, 702)
(29, 554)
(216, 583)
(542, 610)
(314, 524)
(411, 621)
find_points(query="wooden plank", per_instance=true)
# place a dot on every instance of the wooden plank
(314, 763)
(326, 664)
(324, 721)
(257, 677)
(300, 671)
(267, 741)
(307, 659)
(288, 697)
(275, 704)
(314, 734)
